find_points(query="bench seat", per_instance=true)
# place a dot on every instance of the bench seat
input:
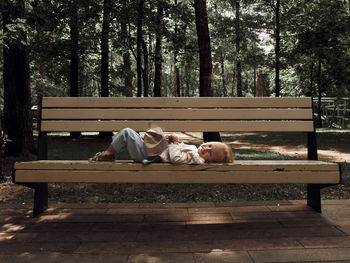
(242, 171)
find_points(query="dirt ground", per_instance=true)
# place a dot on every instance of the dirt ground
(293, 151)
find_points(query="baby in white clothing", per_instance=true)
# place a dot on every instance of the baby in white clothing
(177, 153)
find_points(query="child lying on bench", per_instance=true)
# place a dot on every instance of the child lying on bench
(156, 147)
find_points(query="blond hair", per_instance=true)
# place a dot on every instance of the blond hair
(229, 156)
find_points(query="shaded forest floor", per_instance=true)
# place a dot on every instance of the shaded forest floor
(333, 146)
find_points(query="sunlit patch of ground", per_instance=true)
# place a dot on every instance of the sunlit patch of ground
(294, 151)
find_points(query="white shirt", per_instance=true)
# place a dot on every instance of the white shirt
(181, 154)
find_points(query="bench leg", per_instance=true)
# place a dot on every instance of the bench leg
(314, 196)
(40, 198)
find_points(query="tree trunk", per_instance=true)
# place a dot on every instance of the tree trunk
(233, 82)
(205, 63)
(74, 56)
(277, 50)
(128, 75)
(187, 79)
(145, 70)
(2, 144)
(17, 112)
(311, 89)
(127, 91)
(222, 63)
(138, 48)
(157, 92)
(2, 178)
(238, 50)
(104, 56)
(177, 79)
(260, 88)
(319, 86)
(105, 49)
(150, 62)
(177, 87)
(205, 67)
(254, 88)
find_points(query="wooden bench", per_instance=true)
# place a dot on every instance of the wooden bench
(176, 115)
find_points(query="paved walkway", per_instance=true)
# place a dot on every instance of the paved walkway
(286, 231)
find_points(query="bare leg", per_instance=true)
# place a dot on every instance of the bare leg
(111, 149)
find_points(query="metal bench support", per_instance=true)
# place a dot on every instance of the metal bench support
(40, 198)
(41, 191)
(314, 195)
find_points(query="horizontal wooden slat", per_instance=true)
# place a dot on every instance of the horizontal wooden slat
(179, 126)
(183, 102)
(178, 114)
(253, 177)
(238, 165)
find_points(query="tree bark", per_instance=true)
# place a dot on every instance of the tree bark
(205, 67)
(177, 79)
(177, 87)
(74, 56)
(157, 92)
(319, 86)
(105, 56)
(254, 88)
(311, 89)
(238, 50)
(260, 88)
(126, 55)
(277, 50)
(145, 70)
(128, 74)
(222, 63)
(105, 49)
(17, 112)
(205, 63)
(139, 47)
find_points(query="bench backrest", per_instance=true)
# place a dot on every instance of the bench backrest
(177, 114)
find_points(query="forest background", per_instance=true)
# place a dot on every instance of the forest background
(152, 48)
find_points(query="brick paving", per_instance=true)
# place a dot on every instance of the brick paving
(252, 232)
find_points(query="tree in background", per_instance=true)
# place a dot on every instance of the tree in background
(205, 63)
(74, 50)
(139, 46)
(125, 38)
(105, 49)
(74, 55)
(276, 8)
(316, 47)
(238, 48)
(158, 52)
(308, 30)
(17, 95)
